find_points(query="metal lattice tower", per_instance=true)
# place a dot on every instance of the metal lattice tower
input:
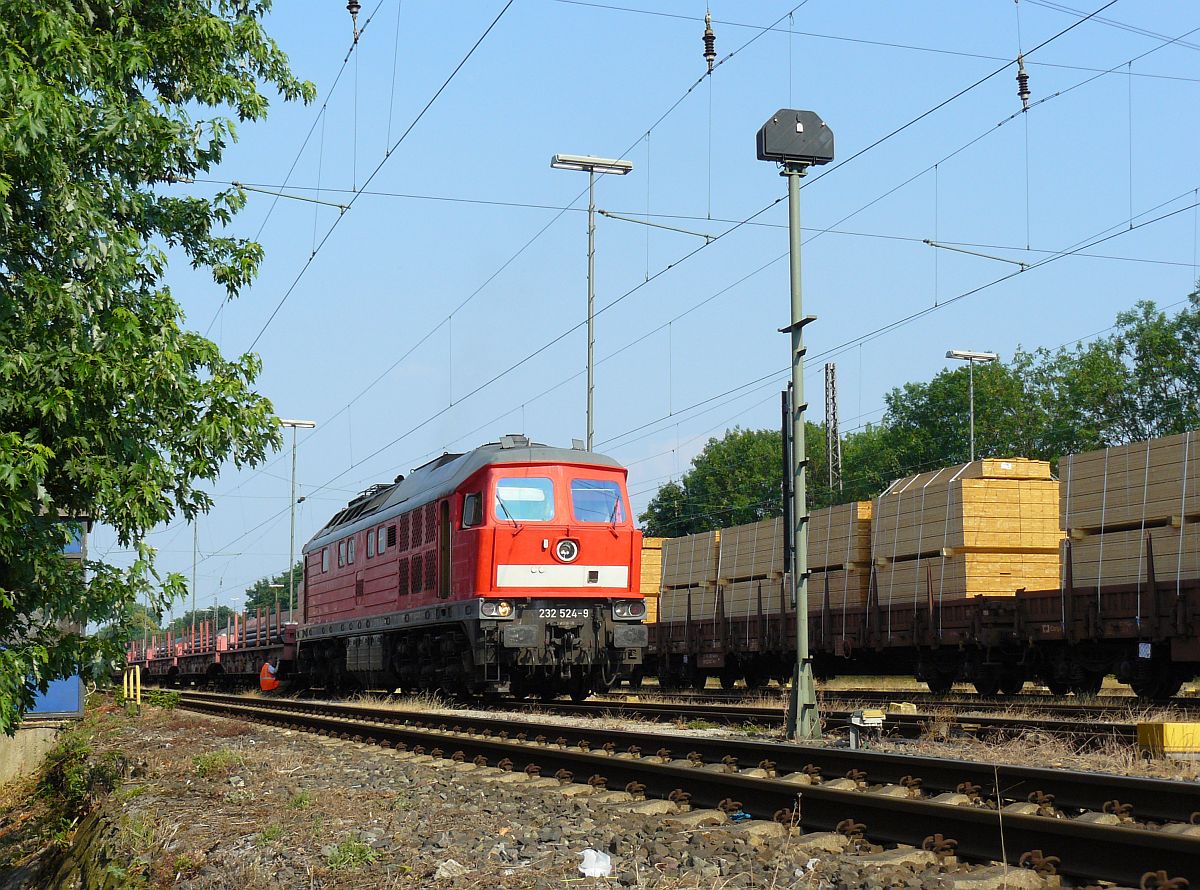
(833, 438)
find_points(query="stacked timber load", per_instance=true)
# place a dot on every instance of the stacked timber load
(750, 569)
(839, 556)
(1114, 499)
(651, 581)
(689, 575)
(987, 528)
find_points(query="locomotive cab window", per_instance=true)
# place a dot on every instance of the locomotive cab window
(524, 499)
(324, 559)
(382, 535)
(341, 553)
(370, 544)
(350, 552)
(472, 513)
(597, 500)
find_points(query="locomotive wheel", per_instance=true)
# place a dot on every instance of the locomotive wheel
(729, 678)
(1089, 684)
(755, 680)
(1012, 682)
(987, 685)
(939, 684)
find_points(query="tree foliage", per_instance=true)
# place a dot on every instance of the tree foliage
(262, 595)
(110, 408)
(1139, 382)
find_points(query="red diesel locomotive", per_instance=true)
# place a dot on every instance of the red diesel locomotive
(515, 564)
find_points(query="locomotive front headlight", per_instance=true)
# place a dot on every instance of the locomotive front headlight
(567, 550)
(629, 610)
(496, 609)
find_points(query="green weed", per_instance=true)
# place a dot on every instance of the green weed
(270, 834)
(216, 763)
(350, 854)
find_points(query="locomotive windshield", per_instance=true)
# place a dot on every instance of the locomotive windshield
(597, 500)
(524, 499)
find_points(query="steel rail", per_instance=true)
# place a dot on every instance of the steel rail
(1084, 849)
(1155, 800)
(902, 722)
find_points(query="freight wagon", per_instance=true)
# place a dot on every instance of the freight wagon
(992, 573)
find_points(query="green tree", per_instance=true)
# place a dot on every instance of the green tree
(1139, 382)
(263, 595)
(109, 408)
(732, 480)
(134, 621)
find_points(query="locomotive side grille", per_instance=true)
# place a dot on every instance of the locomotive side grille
(416, 517)
(402, 576)
(430, 570)
(416, 574)
(391, 536)
(430, 524)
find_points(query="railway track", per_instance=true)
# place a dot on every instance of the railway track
(1042, 704)
(1100, 827)
(902, 723)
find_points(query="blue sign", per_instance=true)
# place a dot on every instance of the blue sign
(64, 697)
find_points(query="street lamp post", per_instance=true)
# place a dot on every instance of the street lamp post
(294, 424)
(592, 166)
(970, 357)
(797, 140)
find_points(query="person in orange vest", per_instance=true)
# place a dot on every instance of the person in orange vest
(266, 677)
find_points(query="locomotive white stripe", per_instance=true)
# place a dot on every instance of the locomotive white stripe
(561, 576)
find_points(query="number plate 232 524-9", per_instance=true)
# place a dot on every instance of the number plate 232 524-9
(564, 613)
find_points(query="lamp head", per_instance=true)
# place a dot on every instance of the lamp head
(591, 164)
(968, 355)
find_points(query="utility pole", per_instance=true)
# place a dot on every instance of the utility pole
(833, 436)
(592, 166)
(195, 553)
(797, 140)
(294, 424)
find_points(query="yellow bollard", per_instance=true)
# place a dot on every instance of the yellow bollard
(137, 680)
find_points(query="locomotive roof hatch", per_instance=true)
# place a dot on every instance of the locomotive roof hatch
(438, 478)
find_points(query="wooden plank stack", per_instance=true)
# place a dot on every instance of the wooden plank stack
(990, 527)
(751, 551)
(1114, 498)
(689, 572)
(746, 565)
(651, 580)
(839, 555)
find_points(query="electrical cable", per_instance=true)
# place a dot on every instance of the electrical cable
(304, 268)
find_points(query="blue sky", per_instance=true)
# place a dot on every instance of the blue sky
(465, 253)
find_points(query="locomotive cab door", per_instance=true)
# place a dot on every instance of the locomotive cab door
(444, 549)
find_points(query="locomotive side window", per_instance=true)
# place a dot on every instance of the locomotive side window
(597, 500)
(324, 559)
(382, 537)
(472, 514)
(527, 499)
(370, 543)
(350, 552)
(341, 553)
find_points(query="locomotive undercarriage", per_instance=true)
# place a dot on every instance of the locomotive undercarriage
(545, 649)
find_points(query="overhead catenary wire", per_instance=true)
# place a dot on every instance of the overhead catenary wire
(668, 267)
(374, 172)
(662, 117)
(304, 143)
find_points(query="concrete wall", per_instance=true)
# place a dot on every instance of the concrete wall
(21, 754)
